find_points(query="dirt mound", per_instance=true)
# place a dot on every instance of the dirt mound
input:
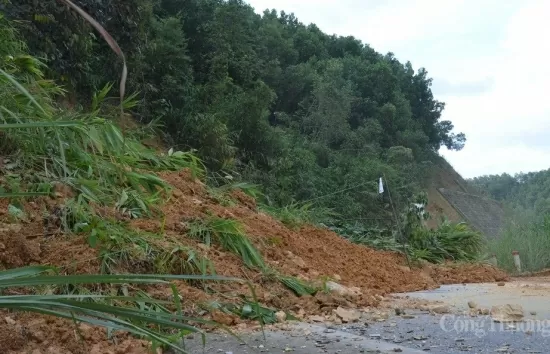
(466, 273)
(308, 253)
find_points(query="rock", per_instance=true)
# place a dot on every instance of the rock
(440, 309)
(280, 316)
(342, 290)
(301, 313)
(335, 319)
(9, 320)
(297, 260)
(507, 313)
(533, 313)
(39, 336)
(223, 318)
(380, 316)
(347, 315)
(317, 318)
(399, 311)
(472, 304)
(336, 277)
(501, 283)
(409, 317)
(484, 312)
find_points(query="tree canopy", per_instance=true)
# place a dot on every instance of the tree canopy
(305, 114)
(527, 191)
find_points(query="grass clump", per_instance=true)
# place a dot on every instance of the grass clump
(295, 215)
(230, 235)
(450, 241)
(299, 287)
(143, 252)
(377, 238)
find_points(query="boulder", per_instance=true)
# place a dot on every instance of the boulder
(347, 315)
(343, 290)
(507, 313)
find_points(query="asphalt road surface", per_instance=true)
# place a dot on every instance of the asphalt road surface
(419, 332)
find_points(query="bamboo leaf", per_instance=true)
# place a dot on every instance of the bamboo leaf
(112, 43)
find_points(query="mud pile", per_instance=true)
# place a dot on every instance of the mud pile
(308, 253)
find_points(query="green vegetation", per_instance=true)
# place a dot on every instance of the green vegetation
(304, 121)
(48, 147)
(526, 196)
(450, 241)
(140, 315)
(230, 235)
(308, 116)
(528, 234)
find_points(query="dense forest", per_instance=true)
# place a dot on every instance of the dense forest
(522, 191)
(306, 115)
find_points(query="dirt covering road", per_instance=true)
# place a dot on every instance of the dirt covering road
(308, 253)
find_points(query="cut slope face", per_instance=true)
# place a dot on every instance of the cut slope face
(483, 214)
(449, 195)
(308, 253)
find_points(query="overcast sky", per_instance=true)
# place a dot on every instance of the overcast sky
(489, 60)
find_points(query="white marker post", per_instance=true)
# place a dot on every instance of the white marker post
(493, 260)
(517, 261)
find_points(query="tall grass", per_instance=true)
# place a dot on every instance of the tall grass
(528, 235)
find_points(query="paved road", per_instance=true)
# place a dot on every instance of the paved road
(449, 333)
(455, 334)
(301, 339)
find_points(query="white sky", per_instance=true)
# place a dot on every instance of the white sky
(489, 60)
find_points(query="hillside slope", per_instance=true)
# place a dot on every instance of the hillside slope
(308, 253)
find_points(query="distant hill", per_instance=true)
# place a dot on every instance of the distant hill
(526, 191)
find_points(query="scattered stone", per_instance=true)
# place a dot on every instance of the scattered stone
(533, 313)
(399, 311)
(397, 350)
(317, 318)
(409, 317)
(297, 260)
(485, 311)
(473, 312)
(347, 315)
(501, 283)
(9, 320)
(375, 336)
(280, 316)
(380, 316)
(336, 277)
(472, 304)
(39, 336)
(440, 309)
(342, 290)
(507, 313)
